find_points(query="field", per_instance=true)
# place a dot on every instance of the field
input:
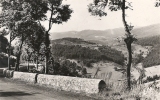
(106, 71)
(151, 71)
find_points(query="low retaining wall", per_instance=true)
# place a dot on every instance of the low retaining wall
(73, 84)
(66, 83)
(28, 77)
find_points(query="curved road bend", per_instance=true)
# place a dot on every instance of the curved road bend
(13, 90)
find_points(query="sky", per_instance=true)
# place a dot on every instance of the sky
(144, 13)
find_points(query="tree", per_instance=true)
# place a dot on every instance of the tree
(35, 40)
(157, 4)
(12, 15)
(37, 9)
(15, 12)
(4, 46)
(3, 43)
(98, 8)
(27, 54)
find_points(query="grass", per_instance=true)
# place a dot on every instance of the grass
(118, 91)
(104, 69)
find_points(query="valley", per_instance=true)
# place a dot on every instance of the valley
(147, 45)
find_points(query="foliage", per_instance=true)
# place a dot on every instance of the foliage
(138, 59)
(16, 48)
(35, 40)
(154, 78)
(36, 37)
(157, 4)
(87, 55)
(3, 44)
(15, 20)
(112, 54)
(15, 12)
(153, 57)
(98, 8)
(66, 68)
(84, 71)
(23, 68)
(27, 52)
(4, 61)
(58, 13)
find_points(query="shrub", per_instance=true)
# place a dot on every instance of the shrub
(154, 78)
(84, 71)
(64, 67)
(4, 60)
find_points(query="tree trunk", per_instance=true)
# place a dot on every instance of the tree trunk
(9, 53)
(9, 67)
(17, 62)
(19, 54)
(47, 43)
(129, 62)
(37, 62)
(128, 40)
(28, 65)
(28, 58)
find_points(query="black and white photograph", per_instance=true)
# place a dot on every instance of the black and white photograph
(79, 49)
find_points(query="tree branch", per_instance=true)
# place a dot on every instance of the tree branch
(50, 20)
(41, 25)
(123, 18)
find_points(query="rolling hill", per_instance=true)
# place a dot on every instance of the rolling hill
(148, 40)
(153, 58)
(88, 52)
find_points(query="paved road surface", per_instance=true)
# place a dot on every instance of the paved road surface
(13, 90)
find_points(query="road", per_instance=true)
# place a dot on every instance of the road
(16, 90)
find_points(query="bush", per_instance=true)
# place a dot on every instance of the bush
(23, 68)
(65, 67)
(4, 61)
(154, 78)
(84, 71)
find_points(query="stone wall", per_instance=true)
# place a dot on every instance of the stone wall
(28, 77)
(73, 84)
(66, 83)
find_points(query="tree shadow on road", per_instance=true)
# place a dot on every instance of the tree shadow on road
(21, 93)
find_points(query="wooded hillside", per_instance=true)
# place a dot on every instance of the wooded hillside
(153, 58)
(87, 54)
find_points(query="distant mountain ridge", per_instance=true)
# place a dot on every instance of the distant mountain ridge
(108, 36)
